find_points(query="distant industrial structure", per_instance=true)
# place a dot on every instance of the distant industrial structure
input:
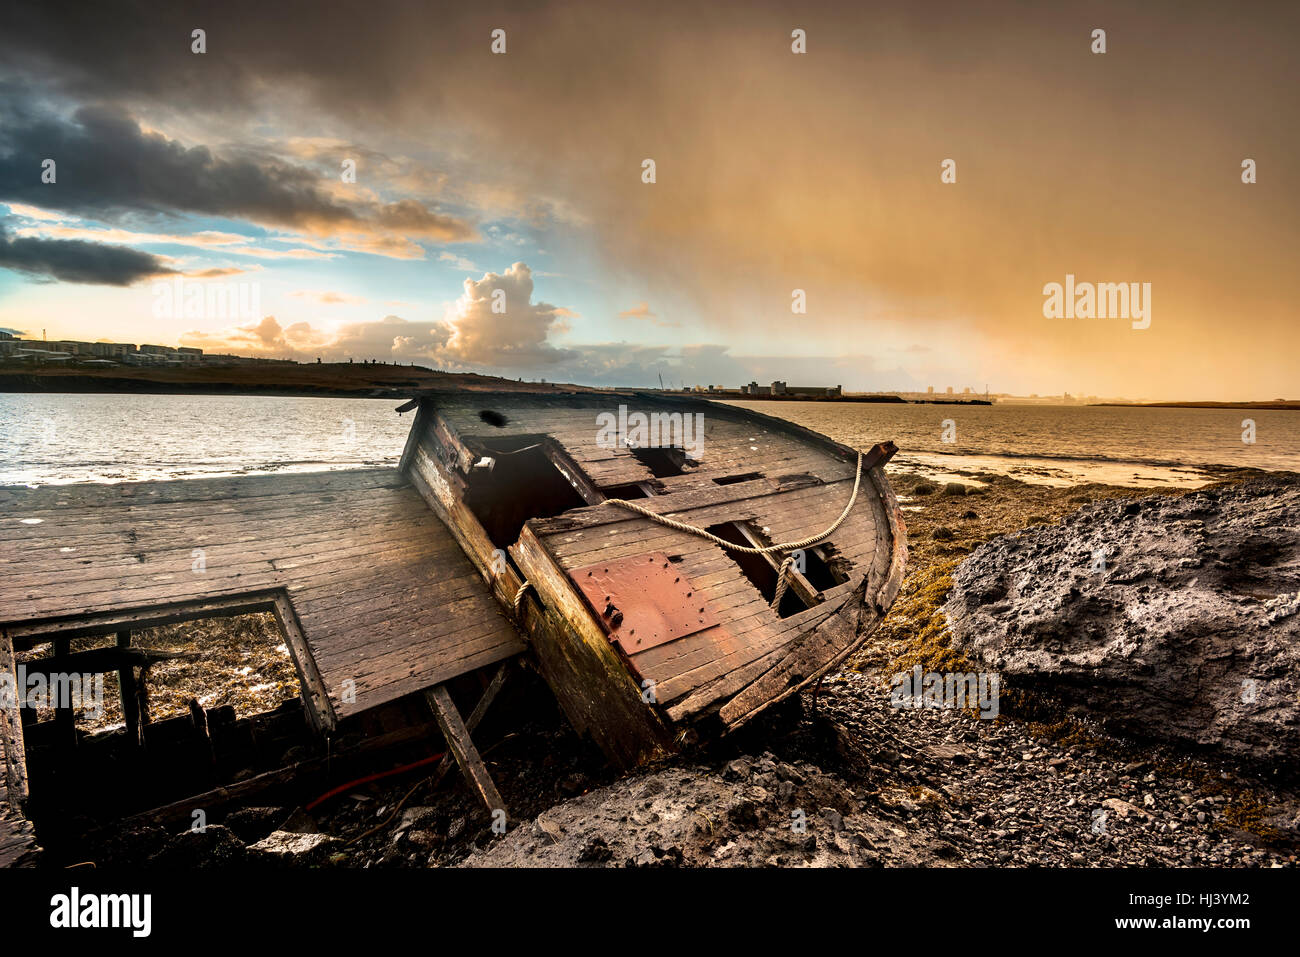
(780, 388)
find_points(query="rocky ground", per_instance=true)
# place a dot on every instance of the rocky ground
(860, 783)
(839, 777)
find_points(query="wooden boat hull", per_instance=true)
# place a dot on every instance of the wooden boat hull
(525, 482)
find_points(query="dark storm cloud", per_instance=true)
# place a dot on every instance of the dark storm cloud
(75, 260)
(107, 165)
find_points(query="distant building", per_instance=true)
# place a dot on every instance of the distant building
(111, 350)
(42, 355)
(816, 391)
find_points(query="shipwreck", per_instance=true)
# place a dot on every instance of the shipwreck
(671, 567)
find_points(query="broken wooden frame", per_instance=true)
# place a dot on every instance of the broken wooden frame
(124, 659)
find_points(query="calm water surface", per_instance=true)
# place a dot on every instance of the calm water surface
(1060, 445)
(46, 439)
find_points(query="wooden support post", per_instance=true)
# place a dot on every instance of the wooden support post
(458, 740)
(142, 698)
(11, 725)
(65, 718)
(475, 716)
(128, 696)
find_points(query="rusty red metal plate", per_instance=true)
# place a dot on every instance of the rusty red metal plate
(643, 601)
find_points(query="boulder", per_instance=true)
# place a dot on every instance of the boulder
(1170, 617)
(290, 847)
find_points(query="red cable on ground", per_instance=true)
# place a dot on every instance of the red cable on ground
(374, 777)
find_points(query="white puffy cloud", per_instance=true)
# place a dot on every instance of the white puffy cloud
(495, 323)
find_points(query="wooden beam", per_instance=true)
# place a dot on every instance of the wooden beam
(797, 583)
(434, 481)
(65, 718)
(27, 634)
(458, 740)
(319, 707)
(412, 437)
(142, 699)
(11, 725)
(590, 679)
(475, 716)
(128, 695)
(575, 476)
(101, 660)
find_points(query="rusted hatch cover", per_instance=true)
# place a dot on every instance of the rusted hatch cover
(643, 601)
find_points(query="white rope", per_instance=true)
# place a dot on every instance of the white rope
(746, 549)
(519, 595)
(781, 583)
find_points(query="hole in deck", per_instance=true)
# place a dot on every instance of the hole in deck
(823, 568)
(760, 571)
(627, 492)
(737, 479)
(663, 461)
(514, 481)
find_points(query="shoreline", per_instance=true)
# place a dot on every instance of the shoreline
(327, 380)
(1283, 405)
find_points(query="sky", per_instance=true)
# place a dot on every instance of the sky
(500, 218)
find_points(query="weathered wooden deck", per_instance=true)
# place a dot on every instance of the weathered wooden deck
(364, 577)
